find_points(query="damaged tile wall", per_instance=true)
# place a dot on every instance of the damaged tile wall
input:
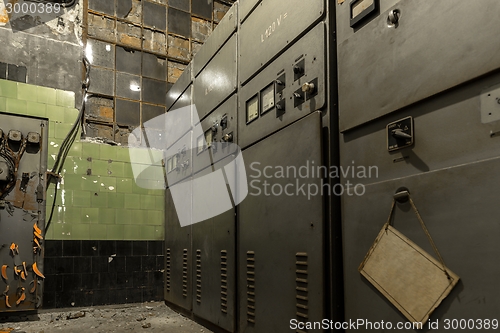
(151, 32)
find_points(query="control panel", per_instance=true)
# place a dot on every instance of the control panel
(288, 89)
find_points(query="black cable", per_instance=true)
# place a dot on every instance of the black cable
(68, 142)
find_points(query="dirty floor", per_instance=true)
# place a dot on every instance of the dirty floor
(143, 317)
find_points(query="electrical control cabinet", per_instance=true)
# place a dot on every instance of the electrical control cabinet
(391, 94)
(23, 167)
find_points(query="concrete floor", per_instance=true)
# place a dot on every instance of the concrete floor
(144, 317)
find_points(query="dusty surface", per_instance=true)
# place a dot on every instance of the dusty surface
(143, 317)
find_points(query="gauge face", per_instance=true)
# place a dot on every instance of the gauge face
(267, 96)
(201, 143)
(252, 108)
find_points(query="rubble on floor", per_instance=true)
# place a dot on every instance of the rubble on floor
(144, 317)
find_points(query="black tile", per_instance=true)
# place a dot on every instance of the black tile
(179, 22)
(153, 91)
(139, 248)
(134, 295)
(63, 265)
(64, 299)
(150, 112)
(123, 248)
(82, 264)
(16, 73)
(118, 296)
(179, 4)
(128, 61)
(103, 81)
(49, 265)
(107, 248)
(89, 281)
(123, 7)
(53, 283)
(158, 279)
(71, 282)
(90, 248)
(159, 292)
(99, 264)
(156, 248)
(103, 53)
(84, 298)
(72, 248)
(107, 7)
(148, 263)
(125, 280)
(154, 15)
(154, 67)
(128, 113)
(53, 248)
(128, 86)
(117, 264)
(3, 70)
(49, 299)
(101, 297)
(148, 294)
(160, 263)
(140, 279)
(202, 8)
(105, 281)
(133, 264)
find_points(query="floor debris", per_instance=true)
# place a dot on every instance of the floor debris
(142, 317)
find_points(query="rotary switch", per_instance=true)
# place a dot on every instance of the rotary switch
(309, 88)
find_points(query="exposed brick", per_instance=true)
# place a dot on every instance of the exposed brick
(122, 135)
(155, 41)
(195, 46)
(129, 34)
(135, 14)
(220, 10)
(178, 47)
(99, 108)
(175, 70)
(101, 27)
(200, 29)
(95, 130)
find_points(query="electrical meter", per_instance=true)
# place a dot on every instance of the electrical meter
(252, 109)
(267, 96)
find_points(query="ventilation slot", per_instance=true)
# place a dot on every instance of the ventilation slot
(167, 271)
(198, 276)
(251, 287)
(223, 281)
(185, 273)
(301, 287)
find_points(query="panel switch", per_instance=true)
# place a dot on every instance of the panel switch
(400, 134)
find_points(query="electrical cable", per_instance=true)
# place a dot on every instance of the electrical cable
(68, 142)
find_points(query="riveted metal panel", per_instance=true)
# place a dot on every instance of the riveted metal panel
(179, 87)
(178, 258)
(448, 131)
(281, 236)
(309, 50)
(220, 122)
(217, 81)
(433, 47)
(246, 6)
(22, 207)
(219, 36)
(272, 27)
(459, 207)
(214, 260)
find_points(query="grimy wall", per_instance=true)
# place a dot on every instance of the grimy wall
(104, 244)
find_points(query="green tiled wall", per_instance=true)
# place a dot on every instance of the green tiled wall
(97, 197)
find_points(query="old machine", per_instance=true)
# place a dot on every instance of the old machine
(346, 113)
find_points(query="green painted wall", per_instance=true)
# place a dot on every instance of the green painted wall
(105, 205)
